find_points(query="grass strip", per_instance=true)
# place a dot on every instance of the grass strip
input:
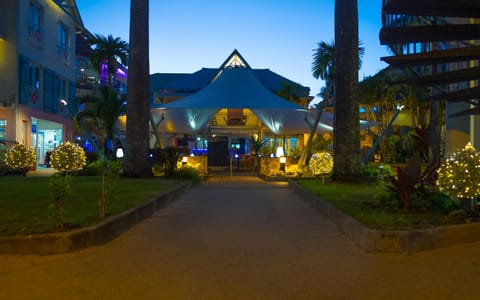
(25, 202)
(359, 201)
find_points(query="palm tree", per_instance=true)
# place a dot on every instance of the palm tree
(110, 52)
(323, 67)
(137, 135)
(347, 166)
(102, 111)
(288, 92)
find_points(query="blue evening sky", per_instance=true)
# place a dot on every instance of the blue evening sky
(186, 35)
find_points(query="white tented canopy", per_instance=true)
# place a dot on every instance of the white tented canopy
(236, 88)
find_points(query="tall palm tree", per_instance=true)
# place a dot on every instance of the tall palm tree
(347, 165)
(138, 108)
(110, 52)
(323, 67)
(102, 111)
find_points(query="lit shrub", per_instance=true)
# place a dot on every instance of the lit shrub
(321, 163)
(20, 157)
(459, 175)
(68, 157)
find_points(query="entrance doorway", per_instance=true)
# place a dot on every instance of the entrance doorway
(46, 135)
(218, 155)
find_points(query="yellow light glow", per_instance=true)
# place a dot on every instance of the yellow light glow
(283, 160)
(279, 152)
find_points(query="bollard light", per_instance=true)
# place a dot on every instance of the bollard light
(119, 153)
(283, 162)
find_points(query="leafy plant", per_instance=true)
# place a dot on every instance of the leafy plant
(109, 179)
(373, 170)
(257, 144)
(167, 158)
(60, 189)
(411, 185)
(405, 182)
(66, 158)
(437, 201)
(386, 197)
(189, 173)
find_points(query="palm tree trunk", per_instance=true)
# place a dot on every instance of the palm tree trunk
(347, 166)
(138, 108)
(313, 128)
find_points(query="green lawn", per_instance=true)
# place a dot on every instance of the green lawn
(25, 201)
(358, 201)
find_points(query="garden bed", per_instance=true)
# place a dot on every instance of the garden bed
(353, 209)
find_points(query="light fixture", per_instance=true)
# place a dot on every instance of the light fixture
(283, 162)
(279, 152)
(119, 153)
(184, 160)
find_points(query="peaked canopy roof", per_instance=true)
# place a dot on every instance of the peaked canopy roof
(236, 87)
(233, 87)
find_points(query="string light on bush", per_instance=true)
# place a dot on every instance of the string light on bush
(459, 175)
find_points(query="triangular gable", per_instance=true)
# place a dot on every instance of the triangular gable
(234, 60)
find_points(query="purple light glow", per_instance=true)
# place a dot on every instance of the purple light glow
(104, 72)
(121, 72)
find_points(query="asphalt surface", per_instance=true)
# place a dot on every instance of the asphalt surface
(240, 238)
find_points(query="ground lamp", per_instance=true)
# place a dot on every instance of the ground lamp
(119, 153)
(283, 162)
(184, 160)
(283, 159)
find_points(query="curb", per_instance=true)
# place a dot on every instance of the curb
(95, 235)
(391, 241)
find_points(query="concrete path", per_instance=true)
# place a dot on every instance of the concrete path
(240, 238)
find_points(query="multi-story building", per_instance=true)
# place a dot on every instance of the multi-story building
(38, 72)
(439, 41)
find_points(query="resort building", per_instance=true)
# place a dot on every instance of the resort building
(38, 72)
(222, 108)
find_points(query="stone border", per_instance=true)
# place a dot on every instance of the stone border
(391, 241)
(101, 233)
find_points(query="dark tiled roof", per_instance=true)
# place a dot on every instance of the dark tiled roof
(200, 79)
(161, 80)
(192, 82)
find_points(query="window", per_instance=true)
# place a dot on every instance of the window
(63, 40)
(34, 76)
(3, 129)
(35, 22)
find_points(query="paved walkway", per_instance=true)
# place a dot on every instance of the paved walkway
(240, 239)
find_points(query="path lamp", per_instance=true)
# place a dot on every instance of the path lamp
(184, 161)
(119, 153)
(283, 162)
